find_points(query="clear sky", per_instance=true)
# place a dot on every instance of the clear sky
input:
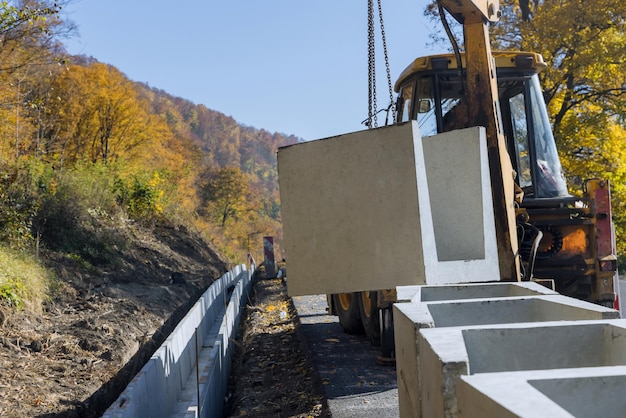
(296, 67)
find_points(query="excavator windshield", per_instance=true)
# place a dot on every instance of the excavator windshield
(436, 100)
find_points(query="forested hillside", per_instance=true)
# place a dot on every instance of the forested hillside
(119, 205)
(78, 133)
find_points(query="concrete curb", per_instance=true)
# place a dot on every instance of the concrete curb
(170, 382)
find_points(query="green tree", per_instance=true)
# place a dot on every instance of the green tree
(225, 194)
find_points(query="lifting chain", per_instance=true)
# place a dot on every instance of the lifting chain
(372, 116)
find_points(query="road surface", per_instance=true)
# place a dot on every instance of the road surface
(355, 385)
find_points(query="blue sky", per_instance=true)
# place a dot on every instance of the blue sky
(296, 67)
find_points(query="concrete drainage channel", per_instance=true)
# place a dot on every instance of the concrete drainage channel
(507, 349)
(187, 375)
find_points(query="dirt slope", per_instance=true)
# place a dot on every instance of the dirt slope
(75, 358)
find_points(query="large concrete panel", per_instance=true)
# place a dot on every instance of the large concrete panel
(384, 207)
(445, 354)
(581, 392)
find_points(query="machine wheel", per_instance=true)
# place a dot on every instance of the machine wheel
(347, 308)
(370, 316)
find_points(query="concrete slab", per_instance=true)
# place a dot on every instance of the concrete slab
(445, 354)
(581, 392)
(341, 198)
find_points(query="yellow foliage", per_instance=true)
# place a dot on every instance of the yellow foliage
(154, 147)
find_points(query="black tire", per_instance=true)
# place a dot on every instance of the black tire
(388, 345)
(370, 316)
(347, 309)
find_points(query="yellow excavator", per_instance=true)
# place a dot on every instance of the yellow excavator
(543, 233)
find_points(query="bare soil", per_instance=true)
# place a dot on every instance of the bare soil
(273, 374)
(76, 357)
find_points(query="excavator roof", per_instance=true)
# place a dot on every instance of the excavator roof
(504, 59)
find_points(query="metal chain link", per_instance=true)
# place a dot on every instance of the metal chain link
(372, 120)
(392, 105)
(372, 116)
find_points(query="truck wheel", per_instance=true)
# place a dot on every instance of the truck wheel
(347, 309)
(370, 316)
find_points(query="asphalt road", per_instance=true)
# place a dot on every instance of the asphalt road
(355, 385)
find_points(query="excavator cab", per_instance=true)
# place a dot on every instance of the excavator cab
(575, 245)
(431, 92)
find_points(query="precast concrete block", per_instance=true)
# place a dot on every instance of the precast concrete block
(409, 318)
(124, 406)
(385, 207)
(173, 381)
(140, 391)
(407, 321)
(445, 354)
(512, 310)
(477, 291)
(156, 386)
(213, 397)
(580, 392)
(181, 356)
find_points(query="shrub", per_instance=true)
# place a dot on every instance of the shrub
(22, 187)
(140, 197)
(69, 220)
(24, 283)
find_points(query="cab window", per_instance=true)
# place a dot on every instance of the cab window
(520, 137)
(426, 109)
(405, 98)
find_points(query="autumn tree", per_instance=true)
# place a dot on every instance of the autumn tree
(96, 115)
(30, 33)
(584, 84)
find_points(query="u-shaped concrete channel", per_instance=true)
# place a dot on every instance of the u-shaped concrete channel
(187, 376)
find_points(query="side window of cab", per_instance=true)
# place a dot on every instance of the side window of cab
(405, 99)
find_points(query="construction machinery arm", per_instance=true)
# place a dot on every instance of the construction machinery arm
(473, 11)
(482, 94)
